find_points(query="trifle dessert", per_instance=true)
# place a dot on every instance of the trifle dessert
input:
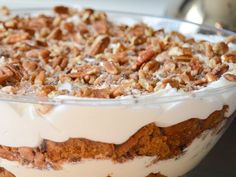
(85, 94)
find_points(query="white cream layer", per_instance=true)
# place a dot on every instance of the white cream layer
(21, 125)
(139, 167)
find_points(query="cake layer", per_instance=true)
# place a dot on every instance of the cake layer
(137, 167)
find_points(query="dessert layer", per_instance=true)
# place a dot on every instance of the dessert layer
(164, 143)
(84, 53)
(137, 167)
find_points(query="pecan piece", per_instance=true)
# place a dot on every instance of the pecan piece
(138, 30)
(69, 27)
(200, 81)
(178, 51)
(151, 66)
(10, 71)
(173, 83)
(183, 58)
(101, 27)
(61, 10)
(230, 57)
(30, 65)
(44, 54)
(230, 77)
(220, 48)
(99, 45)
(83, 71)
(120, 57)
(146, 81)
(220, 69)
(14, 38)
(5, 73)
(95, 93)
(196, 65)
(32, 53)
(145, 56)
(46, 89)
(59, 61)
(40, 78)
(9, 90)
(180, 36)
(55, 34)
(17, 70)
(82, 28)
(210, 77)
(110, 67)
(86, 14)
(209, 50)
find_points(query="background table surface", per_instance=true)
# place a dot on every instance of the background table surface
(221, 161)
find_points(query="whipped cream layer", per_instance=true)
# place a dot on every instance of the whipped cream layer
(22, 125)
(138, 167)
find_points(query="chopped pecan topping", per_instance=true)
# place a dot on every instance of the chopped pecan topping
(85, 51)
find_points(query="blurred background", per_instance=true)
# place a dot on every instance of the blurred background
(219, 13)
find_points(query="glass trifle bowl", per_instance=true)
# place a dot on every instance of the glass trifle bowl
(71, 106)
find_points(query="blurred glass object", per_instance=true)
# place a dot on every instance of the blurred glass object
(219, 13)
